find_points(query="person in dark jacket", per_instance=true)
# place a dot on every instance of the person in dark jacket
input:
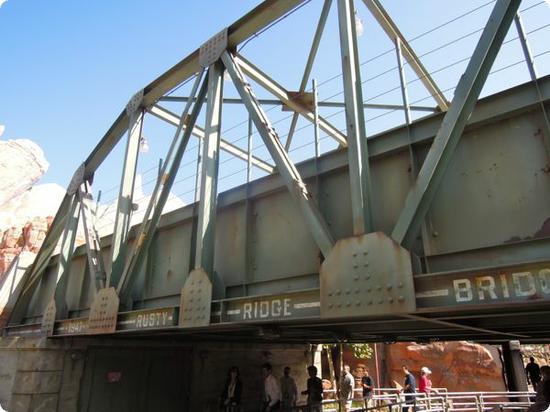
(314, 390)
(533, 373)
(409, 389)
(230, 399)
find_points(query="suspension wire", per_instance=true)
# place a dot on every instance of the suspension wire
(256, 35)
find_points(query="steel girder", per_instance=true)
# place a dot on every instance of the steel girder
(467, 92)
(316, 223)
(355, 121)
(161, 191)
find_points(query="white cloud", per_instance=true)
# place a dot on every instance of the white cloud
(2, 2)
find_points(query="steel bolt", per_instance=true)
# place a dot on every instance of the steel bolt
(348, 304)
(355, 266)
(390, 300)
(357, 303)
(356, 278)
(401, 298)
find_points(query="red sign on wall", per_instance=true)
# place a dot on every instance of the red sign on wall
(113, 377)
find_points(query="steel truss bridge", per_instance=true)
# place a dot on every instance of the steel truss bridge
(439, 229)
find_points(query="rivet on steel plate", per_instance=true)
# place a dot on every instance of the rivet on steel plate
(390, 300)
(339, 305)
(348, 292)
(388, 286)
(356, 278)
(369, 302)
(401, 298)
(357, 303)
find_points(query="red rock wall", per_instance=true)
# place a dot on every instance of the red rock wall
(458, 366)
(27, 238)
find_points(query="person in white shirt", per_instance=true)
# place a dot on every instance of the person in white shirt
(347, 385)
(272, 391)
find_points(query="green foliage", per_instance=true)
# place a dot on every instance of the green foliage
(360, 350)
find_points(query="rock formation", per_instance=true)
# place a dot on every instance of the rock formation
(22, 163)
(458, 366)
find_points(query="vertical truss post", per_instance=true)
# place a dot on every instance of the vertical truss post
(198, 172)
(93, 248)
(316, 117)
(525, 47)
(403, 81)
(355, 121)
(467, 92)
(249, 160)
(290, 175)
(309, 66)
(65, 256)
(204, 254)
(125, 204)
(144, 236)
(534, 77)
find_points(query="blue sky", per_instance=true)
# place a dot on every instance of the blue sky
(67, 68)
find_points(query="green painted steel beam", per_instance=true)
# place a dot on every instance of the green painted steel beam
(467, 92)
(206, 232)
(65, 256)
(309, 65)
(393, 32)
(145, 233)
(355, 121)
(125, 198)
(283, 95)
(290, 175)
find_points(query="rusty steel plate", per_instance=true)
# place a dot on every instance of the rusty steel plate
(367, 275)
(196, 298)
(304, 99)
(103, 312)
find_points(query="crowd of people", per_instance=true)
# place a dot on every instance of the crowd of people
(282, 394)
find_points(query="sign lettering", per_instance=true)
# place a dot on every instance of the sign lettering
(275, 308)
(520, 285)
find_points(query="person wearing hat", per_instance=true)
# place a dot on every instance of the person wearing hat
(425, 384)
